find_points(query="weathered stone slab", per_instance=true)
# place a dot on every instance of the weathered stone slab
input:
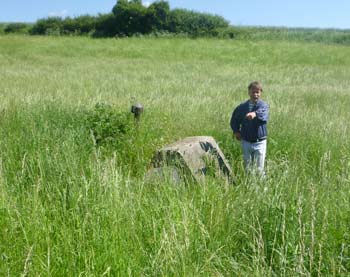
(193, 157)
(164, 174)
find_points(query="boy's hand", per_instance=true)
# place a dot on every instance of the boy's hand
(250, 116)
(237, 136)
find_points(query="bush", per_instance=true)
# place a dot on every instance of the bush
(109, 127)
(48, 26)
(131, 17)
(158, 16)
(116, 135)
(194, 23)
(58, 26)
(86, 23)
(343, 38)
(80, 25)
(106, 26)
(20, 28)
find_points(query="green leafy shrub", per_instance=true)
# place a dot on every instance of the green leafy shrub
(105, 26)
(80, 25)
(110, 128)
(85, 23)
(131, 17)
(57, 26)
(342, 38)
(48, 26)
(194, 23)
(158, 15)
(21, 28)
(116, 134)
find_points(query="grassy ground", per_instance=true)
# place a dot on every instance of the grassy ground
(69, 208)
(333, 36)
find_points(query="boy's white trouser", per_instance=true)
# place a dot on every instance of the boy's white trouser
(254, 155)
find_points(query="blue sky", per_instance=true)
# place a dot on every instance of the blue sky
(290, 13)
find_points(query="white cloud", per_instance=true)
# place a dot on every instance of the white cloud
(147, 3)
(62, 13)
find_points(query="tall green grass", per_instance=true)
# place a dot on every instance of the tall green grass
(70, 208)
(258, 33)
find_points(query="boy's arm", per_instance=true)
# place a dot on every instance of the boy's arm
(236, 124)
(262, 113)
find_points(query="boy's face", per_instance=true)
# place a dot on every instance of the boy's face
(254, 94)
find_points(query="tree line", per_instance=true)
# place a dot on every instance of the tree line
(130, 18)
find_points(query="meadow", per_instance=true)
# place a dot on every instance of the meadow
(70, 208)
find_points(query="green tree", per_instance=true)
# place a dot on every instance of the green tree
(158, 14)
(131, 17)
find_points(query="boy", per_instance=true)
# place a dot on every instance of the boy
(248, 123)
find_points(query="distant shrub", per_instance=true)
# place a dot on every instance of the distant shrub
(21, 28)
(158, 16)
(57, 26)
(48, 26)
(343, 38)
(84, 24)
(70, 26)
(194, 23)
(106, 26)
(132, 18)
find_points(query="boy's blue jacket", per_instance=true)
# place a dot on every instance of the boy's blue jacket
(251, 130)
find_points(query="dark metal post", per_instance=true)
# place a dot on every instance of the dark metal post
(137, 110)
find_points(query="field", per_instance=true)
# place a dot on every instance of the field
(70, 208)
